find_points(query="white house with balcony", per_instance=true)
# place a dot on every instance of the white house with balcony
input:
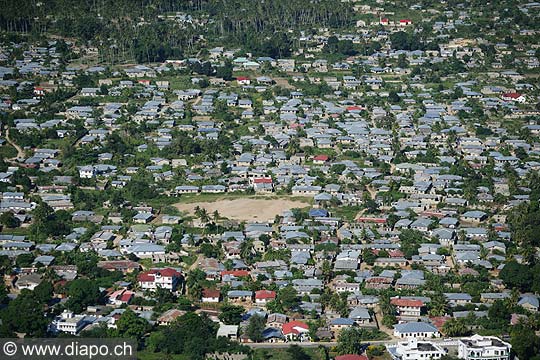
(479, 347)
(415, 350)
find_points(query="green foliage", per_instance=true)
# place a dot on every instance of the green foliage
(25, 315)
(517, 275)
(193, 336)
(524, 342)
(48, 223)
(231, 314)
(455, 327)
(344, 47)
(295, 352)
(410, 242)
(131, 326)
(350, 340)
(256, 326)
(82, 293)
(405, 41)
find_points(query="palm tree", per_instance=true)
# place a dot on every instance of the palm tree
(454, 327)
(246, 249)
(203, 215)
(216, 216)
(437, 305)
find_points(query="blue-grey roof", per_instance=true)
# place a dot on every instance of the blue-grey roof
(415, 327)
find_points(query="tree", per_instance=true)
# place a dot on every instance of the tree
(455, 327)
(25, 315)
(524, 342)
(24, 260)
(231, 314)
(255, 328)
(350, 340)
(130, 325)
(164, 296)
(437, 305)
(9, 220)
(297, 353)
(288, 297)
(82, 293)
(226, 71)
(516, 275)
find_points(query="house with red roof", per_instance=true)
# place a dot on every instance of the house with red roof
(210, 296)
(320, 159)
(514, 97)
(355, 108)
(167, 278)
(243, 80)
(120, 297)
(384, 21)
(235, 273)
(408, 307)
(263, 184)
(405, 22)
(296, 331)
(262, 297)
(39, 91)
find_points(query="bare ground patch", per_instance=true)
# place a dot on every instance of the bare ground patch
(245, 209)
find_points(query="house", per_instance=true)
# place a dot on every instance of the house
(405, 22)
(262, 297)
(30, 281)
(153, 279)
(479, 347)
(408, 307)
(474, 216)
(87, 172)
(514, 97)
(338, 324)
(240, 296)
(419, 330)
(121, 297)
(415, 350)
(458, 298)
(92, 92)
(69, 323)
(360, 315)
(124, 266)
(276, 320)
(263, 184)
(320, 159)
(228, 331)
(169, 316)
(243, 80)
(210, 296)
(143, 218)
(529, 302)
(296, 331)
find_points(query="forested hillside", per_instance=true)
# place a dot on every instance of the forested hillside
(140, 29)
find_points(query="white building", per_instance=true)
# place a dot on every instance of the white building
(415, 350)
(153, 279)
(69, 323)
(87, 172)
(483, 347)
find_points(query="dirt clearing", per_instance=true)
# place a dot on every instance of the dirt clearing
(245, 209)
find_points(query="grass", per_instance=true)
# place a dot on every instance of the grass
(346, 212)
(146, 355)
(7, 151)
(282, 354)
